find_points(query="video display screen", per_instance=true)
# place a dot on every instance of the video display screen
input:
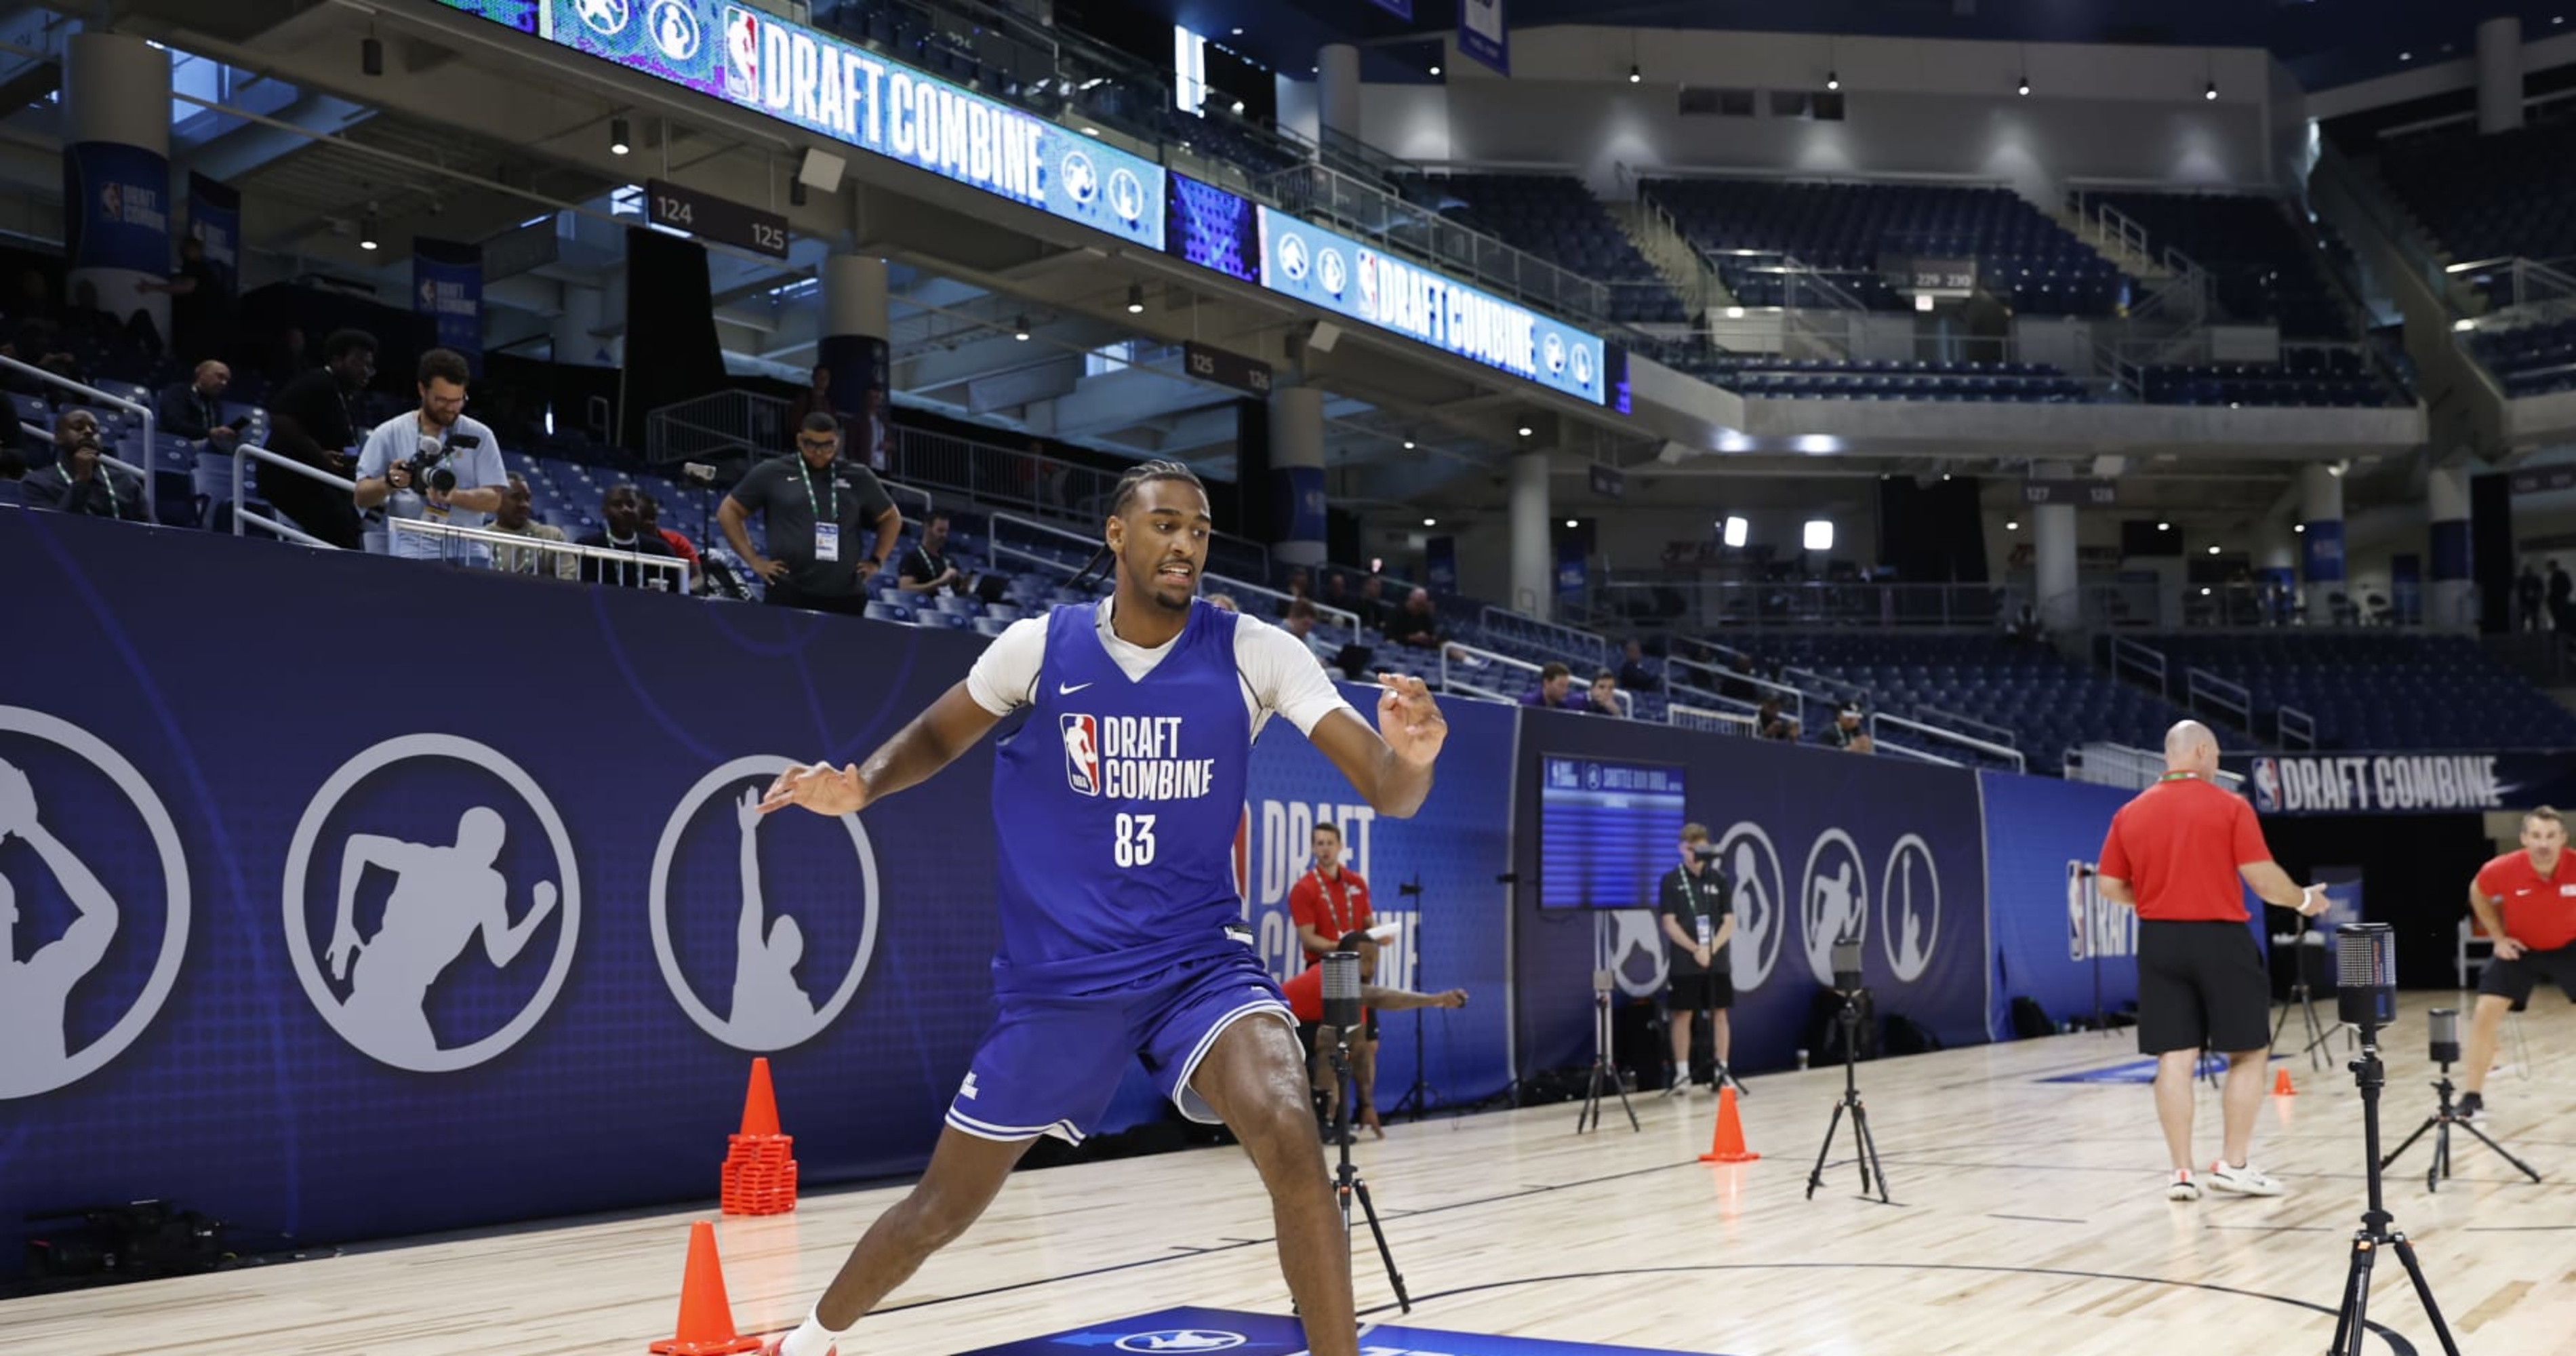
(1212, 228)
(1607, 832)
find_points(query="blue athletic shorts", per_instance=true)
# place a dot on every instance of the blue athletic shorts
(1051, 1063)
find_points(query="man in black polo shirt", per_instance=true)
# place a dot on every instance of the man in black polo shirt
(317, 420)
(926, 568)
(828, 526)
(1698, 920)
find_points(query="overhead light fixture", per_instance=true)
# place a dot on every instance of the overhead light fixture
(367, 230)
(1435, 70)
(1525, 430)
(1945, 477)
(1020, 329)
(1135, 298)
(1819, 534)
(1238, 108)
(1737, 530)
(2022, 87)
(2209, 91)
(2164, 527)
(1635, 75)
(1238, 32)
(1430, 522)
(1408, 444)
(2012, 527)
(1833, 80)
(1569, 522)
(2213, 548)
(1735, 313)
(2298, 527)
(371, 56)
(618, 142)
(1091, 131)
(2406, 56)
(2463, 325)
(2204, 590)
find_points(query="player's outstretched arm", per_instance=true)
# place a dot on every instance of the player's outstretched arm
(930, 742)
(1389, 766)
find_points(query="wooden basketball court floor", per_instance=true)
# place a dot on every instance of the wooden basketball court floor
(2029, 1218)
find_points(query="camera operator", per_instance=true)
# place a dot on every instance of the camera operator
(435, 464)
(1699, 920)
(77, 481)
(1305, 995)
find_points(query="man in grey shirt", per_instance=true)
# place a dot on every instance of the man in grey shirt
(828, 526)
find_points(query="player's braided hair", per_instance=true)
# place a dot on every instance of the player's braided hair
(1125, 494)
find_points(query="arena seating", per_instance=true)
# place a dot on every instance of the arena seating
(2384, 691)
(2532, 359)
(2259, 266)
(1556, 218)
(1810, 378)
(1844, 229)
(2484, 197)
(2310, 377)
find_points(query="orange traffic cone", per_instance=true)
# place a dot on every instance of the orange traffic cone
(2281, 1084)
(706, 1317)
(1728, 1145)
(759, 1103)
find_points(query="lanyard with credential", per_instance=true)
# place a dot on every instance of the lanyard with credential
(1341, 899)
(829, 479)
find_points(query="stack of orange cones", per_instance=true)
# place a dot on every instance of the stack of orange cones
(760, 1163)
(1728, 1144)
(706, 1316)
(2281, 1084)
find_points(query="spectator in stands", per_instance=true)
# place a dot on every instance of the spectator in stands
(1555, 690)
(1372, 604)
(194, 409)
(1603, 698)
(1846, 734)
(2562, 598)
(1300, 622)
(408, 459)
(2024, 628)
(1223, 602)
(650, 510)
(1337, 591)
(2527, 590)
(814, 399)
(1769, 723)
(78, 482)
(515, 517)
(621, 510)
(1634, 675)
(1298, 587)
(199, 322)
(1415, 624)
(813, 511)
(315, 421)
(926, 567)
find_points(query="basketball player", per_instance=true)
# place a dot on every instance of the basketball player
(2182, 854)
(1121, 931)
(2530, 911)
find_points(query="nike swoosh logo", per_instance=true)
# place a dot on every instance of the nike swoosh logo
(1065, 690)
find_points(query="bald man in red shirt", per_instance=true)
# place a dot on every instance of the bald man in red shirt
(2180, 854)
(2526, 901)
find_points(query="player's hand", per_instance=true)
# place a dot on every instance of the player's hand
(2507, 948)
(1409, 720)
(821, 788)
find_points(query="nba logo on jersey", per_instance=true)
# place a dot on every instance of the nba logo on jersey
(742, 52)
(1082, 753)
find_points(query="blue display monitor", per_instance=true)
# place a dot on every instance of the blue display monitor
(1214, 229)
(1607, 832)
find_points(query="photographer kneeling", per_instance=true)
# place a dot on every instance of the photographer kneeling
(1305, 995)
(436, 465)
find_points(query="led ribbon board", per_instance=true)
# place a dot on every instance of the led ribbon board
(752, 59)
(1302, 260)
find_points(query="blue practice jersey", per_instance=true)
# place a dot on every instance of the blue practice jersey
(1116, 805)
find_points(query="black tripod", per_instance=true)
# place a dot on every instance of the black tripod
(1602, 1069)
(1346, 1177)
(1867, 1154)
(1420, 1094)
(2304, 1000)
(2440, 1123)
(2374, 1234)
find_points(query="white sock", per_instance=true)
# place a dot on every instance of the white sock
(811, 1338)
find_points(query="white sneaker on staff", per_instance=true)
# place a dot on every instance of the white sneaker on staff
(2243, 1179)
(2182, 1188)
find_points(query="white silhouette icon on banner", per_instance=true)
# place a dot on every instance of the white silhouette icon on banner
(36, 989)
(769, 1010)
(1910, 913)
(768, 1007)
(1752, 866)
(1834, 904)
(36, 992)
(443, 898)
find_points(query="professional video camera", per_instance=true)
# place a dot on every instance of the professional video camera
(427, 466)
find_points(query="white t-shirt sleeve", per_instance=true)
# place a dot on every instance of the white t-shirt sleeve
(378, 453)
(1284, 675)
(1004, 674)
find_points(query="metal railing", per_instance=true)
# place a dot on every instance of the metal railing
(1826, 684)
(449, 536)
(1793, 700)
(2103, 763)
(245, 519)
(1323, 193)
(1592, 646)
(1045, 561)
(2128, 655)
(2289, 722)
(151, 425)
(1469, 671)
(2002, 735)
(717, 426)
(1709, 720)
(2002, 753)
(1750, 605)
(1242, 590)
(2204, 691)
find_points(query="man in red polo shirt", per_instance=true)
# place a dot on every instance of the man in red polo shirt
(2530, 911)
(2177, 854)
(1329, 902)
(1305, 995)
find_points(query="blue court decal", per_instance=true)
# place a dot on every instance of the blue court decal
(2137, 1071)
(1185, 1332)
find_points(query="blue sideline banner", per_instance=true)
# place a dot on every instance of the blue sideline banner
(2055, 936)
(447, 287)
(2321, 548)
(214, 222)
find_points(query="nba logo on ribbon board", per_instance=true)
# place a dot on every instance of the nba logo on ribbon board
(1082, 753)
(742, 52)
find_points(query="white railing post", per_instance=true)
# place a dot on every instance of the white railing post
(244, 519)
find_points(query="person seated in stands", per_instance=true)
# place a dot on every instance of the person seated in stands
(1846, 734)
(13, 475)
(1337, 591)
(1555, 690)
(515, 517)
(2024, 628)
(1300, 622)
(1298, 589)
(194, 409)
(650, 511)
(1634, 676)
(78, 481)
(1769, 723)
(926, 567)
(1415, 624)
(1603, 698)
(622, 512)
(1371, 606)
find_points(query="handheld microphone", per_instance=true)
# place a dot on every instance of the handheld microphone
(2366, 974)
(1342, 990)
